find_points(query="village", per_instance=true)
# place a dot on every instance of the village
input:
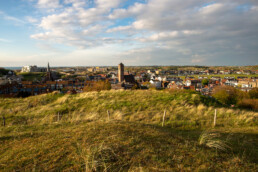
(33, 80)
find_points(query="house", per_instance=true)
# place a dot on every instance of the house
(150, 71)
(156, 83)
(230, 82)
(196, 84)
(250, 83)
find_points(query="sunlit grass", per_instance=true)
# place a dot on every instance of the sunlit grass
(83, 138)
(213, 140)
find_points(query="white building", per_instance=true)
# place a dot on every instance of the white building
(156, 83)
(33, 68)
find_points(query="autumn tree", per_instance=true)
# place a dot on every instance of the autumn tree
(98, 86)
(226, 94)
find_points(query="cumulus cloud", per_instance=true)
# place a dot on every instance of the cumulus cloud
(134, 10)
(119, 28)
(193, 31)
(48, 4)
(107, 4)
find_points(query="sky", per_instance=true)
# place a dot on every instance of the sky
(135, 32)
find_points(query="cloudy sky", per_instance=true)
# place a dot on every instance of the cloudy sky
(136, 32)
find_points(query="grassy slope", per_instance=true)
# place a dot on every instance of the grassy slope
(133, 139)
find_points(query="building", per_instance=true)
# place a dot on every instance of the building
(248, 83)
(49, 74)
(121, 72)
(33, 68)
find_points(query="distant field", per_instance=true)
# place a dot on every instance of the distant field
(29, 76)
(222, 76)
(122, 131)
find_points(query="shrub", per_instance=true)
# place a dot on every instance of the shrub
(253, 93)
(251, 104)
(228, 95)
(135, 86)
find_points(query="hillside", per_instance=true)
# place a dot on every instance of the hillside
(74, 132)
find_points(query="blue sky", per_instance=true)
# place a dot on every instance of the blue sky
(136, 32)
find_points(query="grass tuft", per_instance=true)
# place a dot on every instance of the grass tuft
(213, 140)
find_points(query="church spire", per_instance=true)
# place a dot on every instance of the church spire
(49, 75)
(48, 67)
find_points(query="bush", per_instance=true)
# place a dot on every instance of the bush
(253, 93)
(226, 94)
(251, 104)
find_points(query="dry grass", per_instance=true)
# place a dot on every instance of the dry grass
(83, 139)
(143, 106)
(213, 140)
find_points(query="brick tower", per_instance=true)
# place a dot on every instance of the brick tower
(121, 72)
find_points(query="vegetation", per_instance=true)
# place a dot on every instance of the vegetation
(248, 104)
(211, 140)
(32, 76)
(3, 71)
(228, 95)
(205, 82)
(61, 132)
(98, 86)
(253, 93)
(221, 76)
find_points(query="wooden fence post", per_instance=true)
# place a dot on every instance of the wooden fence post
(215, 118)
(3, 120)
(164, 115)
(58, 116)
(108, 115)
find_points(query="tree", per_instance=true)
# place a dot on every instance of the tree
(226, 94)
(98, 86)
(205, 82)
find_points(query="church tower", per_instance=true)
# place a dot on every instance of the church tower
(121, 72)
(49, 75)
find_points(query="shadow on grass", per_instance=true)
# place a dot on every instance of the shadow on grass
(243, 145)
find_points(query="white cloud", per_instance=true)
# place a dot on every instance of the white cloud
(255, 8)
(197, 59)
(136, 9)
(173, 28)
(162, 36)
(31, 19)
(120, 28)
(107, 4)
(49, 4)
(211, 8)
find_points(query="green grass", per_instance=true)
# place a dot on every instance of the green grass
(132, 139)
(221, 75)
(35, 76)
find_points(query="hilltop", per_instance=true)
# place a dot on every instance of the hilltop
(122, 131)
